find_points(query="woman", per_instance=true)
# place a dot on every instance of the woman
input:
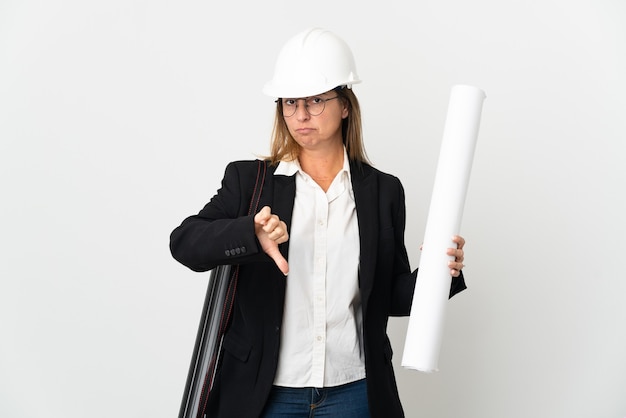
(322, 265)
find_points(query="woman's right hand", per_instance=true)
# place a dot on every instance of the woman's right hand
(271, 231)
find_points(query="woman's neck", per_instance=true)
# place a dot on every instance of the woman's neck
(322, 166)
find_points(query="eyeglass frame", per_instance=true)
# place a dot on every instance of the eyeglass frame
(306, 106)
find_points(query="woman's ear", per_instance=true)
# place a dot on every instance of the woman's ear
(345, 111)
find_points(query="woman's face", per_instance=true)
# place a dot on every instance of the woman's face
(310, 128)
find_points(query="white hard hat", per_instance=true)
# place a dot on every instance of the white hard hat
(312, 62)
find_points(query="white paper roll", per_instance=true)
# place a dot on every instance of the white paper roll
(424, 334)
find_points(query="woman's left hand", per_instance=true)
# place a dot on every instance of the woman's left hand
(457, 264)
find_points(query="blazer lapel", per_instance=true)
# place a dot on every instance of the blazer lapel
(279, 194)
(365, 187)
(283, 197)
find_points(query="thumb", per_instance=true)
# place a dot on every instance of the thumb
(278, 258)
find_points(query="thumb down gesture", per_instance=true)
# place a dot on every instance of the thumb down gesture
(271, 231)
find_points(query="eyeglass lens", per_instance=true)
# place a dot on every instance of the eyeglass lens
(313, 105)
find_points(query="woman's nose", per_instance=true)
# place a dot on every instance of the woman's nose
(301, 111)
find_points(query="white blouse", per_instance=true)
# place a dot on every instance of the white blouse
(321, 336)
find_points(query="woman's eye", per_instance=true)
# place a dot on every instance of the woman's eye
(316, 100)
(289, 102)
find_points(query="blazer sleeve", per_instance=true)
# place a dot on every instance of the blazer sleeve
(222, 232)
(404, 278)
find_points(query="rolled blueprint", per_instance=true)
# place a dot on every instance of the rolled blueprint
(426, 321)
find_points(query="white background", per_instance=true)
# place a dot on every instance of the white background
(117, 119)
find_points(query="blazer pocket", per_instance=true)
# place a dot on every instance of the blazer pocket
(237, 347)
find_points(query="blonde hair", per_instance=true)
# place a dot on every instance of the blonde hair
(284, 147)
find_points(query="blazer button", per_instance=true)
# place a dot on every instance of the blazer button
(243, 250)
(227, 252)
(238, 251)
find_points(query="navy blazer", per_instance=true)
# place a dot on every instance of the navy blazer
(223, 233)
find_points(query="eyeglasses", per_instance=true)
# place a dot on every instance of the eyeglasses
(313, 105)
